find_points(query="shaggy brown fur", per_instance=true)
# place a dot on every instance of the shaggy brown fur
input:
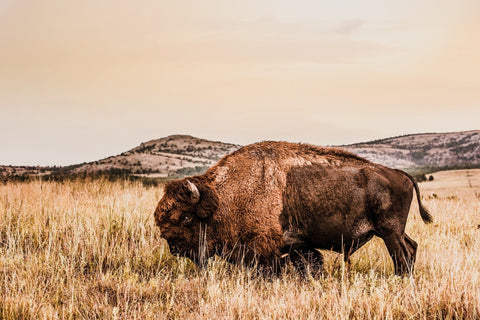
(272, 198)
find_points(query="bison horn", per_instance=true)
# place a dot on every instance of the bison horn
(194, 193)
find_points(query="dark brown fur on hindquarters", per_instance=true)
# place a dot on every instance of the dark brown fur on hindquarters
(267, 198)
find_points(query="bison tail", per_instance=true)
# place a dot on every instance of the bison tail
(426, 216)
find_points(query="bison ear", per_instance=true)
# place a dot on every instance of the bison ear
(194, 193)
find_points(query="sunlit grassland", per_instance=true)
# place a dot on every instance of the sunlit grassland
(90, 250)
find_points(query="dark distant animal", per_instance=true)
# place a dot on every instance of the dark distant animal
(272, 201)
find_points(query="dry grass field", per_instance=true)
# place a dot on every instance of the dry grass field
(90, 250)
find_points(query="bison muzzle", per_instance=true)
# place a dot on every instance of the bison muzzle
(272, 200)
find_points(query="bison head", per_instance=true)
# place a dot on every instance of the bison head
(184, 214)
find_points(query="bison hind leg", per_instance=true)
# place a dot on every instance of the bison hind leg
(410, 251)
(403, 250)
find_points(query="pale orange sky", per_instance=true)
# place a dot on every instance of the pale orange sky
(82, 80)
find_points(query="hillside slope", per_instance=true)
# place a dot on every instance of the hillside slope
(182, 155)
(428, 150)
(175, 155)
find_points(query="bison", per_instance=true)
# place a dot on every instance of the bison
(272, 201)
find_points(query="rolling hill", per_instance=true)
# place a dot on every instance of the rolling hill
(427, 150)
(181, 155)
(172, 156)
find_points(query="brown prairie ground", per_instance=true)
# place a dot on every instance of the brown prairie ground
(90, 250)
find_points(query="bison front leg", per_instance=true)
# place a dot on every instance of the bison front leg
(305, 260)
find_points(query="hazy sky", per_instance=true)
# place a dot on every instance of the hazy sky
(82, 80)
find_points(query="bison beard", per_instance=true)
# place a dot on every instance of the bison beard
(273, 202)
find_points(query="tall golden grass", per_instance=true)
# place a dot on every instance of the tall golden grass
(90, 250)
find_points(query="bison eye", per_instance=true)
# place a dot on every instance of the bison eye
(187, 220)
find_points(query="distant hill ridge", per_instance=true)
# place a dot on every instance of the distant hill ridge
(425, 150)
(182, 155)
(175, 155)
